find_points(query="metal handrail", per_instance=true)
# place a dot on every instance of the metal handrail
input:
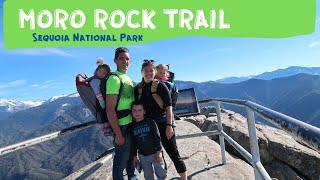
(301, 131)
(100, 161)
(44, 138)
(254, 157)
(305, 133)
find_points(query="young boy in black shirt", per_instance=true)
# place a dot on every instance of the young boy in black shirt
(146, 141)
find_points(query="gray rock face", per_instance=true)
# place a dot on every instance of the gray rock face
(283, 157)
(278, 168)
(202, 157)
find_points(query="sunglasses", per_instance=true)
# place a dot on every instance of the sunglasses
(149, 61)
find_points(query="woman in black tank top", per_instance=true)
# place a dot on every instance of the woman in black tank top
(157, 100)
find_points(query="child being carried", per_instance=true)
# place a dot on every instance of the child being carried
(164, 75)
(101, 72)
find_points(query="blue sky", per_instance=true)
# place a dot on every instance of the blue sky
(42, 73)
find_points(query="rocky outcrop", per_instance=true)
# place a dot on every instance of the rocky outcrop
(202, 157)
(283, 157)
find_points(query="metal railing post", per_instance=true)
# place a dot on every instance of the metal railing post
(254, 147)
(221, 137)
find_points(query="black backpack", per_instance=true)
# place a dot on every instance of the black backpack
(88, 97)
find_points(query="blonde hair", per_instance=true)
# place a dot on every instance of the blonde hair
(163, 66)
(100, 61)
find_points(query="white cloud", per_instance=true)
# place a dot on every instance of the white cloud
(37, 52)
(13, 84)
(35, 85)
(313, 44)
(18, 82)
(44, 85)
(41, 52)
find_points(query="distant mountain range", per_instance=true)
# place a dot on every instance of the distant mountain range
(14, 106)
(57, 158)
(293, 70)
(297, 95)
(8, 107)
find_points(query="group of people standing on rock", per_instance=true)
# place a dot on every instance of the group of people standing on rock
(139, 117)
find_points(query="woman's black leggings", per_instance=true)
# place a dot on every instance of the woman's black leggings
(171, 148)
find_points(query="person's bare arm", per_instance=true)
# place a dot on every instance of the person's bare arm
(163, 91)
(169, 129)
(111, 102)
(169, 114)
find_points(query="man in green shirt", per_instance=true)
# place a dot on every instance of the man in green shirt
(119, 96)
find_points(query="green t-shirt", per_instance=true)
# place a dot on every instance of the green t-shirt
(127, 96)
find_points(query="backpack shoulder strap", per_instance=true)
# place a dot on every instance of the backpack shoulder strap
(139, 87)
(139, 90)
(156, 97)
(120, 89)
